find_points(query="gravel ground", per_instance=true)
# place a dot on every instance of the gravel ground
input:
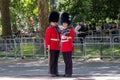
(37, 69)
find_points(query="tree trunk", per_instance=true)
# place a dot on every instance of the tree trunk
(43, 16)
(5, 18)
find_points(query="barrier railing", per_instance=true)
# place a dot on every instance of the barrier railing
(116, 46)
(100, 45)
(83, 47)
(32, 46)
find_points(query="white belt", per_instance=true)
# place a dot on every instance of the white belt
(64, 40)
(53, 39)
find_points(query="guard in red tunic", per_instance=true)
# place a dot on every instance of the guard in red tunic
(67, 37)
(52, 40)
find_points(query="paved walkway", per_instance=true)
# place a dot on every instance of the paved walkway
(36, 69)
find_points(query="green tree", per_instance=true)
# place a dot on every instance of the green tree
(5, 18)
(43, 15)
(91, 9)
(22, 10)
(113, 8)
(78, 8)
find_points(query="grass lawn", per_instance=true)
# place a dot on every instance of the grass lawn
(0, 30)
(95, 50)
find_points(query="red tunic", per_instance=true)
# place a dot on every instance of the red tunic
(67, 45)
(52, 38)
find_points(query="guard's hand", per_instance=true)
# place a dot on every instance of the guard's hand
(69, 37)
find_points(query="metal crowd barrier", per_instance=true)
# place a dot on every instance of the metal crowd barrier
(99, 44)
(103, 46)
(7, 47)
(116, 46)
(32, 47)
(22, 47)
(78, 47)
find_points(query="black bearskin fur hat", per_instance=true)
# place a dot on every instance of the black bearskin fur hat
(54, 16)
(65, 18)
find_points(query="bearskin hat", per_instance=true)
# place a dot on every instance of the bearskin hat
(65, 18)
(54, 16)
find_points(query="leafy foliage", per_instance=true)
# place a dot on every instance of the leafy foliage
(23, 9)
(91, 9)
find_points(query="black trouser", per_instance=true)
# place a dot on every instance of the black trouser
(67, 56)
(54, 54)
